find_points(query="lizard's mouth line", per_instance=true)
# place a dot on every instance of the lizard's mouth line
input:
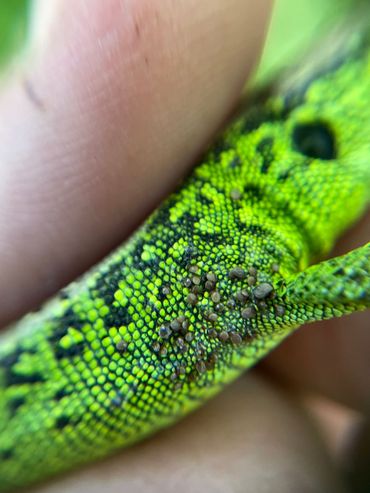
(282, 208)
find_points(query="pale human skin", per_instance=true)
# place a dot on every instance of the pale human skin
(112, 105)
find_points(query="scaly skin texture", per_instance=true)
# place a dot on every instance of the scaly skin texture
(213, 280)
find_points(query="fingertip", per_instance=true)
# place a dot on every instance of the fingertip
(113, 105)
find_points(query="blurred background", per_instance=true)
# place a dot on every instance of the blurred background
(14, 15)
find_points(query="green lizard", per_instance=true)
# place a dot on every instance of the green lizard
(214, 279)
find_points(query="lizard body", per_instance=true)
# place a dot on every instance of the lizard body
(216, 277)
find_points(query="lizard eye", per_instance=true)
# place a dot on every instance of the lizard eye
(315, 140)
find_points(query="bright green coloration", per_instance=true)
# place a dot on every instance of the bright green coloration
(214, 279)
(295, 26)
(13, 26)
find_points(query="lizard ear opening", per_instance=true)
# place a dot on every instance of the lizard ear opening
(315, 140)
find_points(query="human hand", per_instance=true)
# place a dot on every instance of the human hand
(109, 112)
